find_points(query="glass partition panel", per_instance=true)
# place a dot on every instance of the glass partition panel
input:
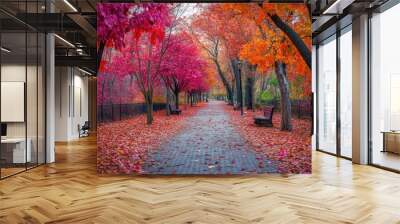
(15, 150)
(385, 89)
(327, 96)
(346, 93)
(31, 98)
(22, 88)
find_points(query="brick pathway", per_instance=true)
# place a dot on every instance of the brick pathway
(207, 145)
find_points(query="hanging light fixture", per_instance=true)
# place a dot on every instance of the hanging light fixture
(70, 5)
(5, 50)
(64, 40)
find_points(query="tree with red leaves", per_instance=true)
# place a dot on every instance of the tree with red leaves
(116, 88)
(135, 31)
(150, 57)
(183, 66)
(143, 56)
(114, 21)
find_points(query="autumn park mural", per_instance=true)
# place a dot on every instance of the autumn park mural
(216, 88)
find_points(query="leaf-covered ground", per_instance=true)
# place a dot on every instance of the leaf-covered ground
(290, 150)
(123, 145)
(208, 144)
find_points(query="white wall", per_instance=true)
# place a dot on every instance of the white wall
(80, 110)
(71, 102)
(12, 73)
(62, 82)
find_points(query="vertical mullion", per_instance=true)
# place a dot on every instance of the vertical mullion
(37, 90)
(369, 97)
(45, 94)
(73, 92)
(46, 36)
(69, 92)
(317, 97)
(26, 86)
(338, 81)
(0, 91)
(60, 88)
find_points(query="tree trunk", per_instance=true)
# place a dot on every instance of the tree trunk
(249, 93)
(235, 70)
(177, 100)
(100, 54)
(102, 101)
(264, 83)
(185, 99)
(286, 113)
(168, 102)
(225, 82)
(149, 107)
(304, 51)
(234, 92)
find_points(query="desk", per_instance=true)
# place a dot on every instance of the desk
(391, 141)
(16, 148)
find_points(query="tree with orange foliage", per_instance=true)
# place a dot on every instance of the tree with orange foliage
(274, 13)
(235, 30)
(273, 48)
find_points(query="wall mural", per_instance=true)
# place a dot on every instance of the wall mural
(217, 88)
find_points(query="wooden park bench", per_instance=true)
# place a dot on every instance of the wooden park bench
(173, 110)
(266, 118)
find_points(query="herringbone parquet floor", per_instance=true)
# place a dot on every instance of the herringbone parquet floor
(70, 191)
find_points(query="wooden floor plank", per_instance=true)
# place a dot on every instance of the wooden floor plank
(70, 191)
